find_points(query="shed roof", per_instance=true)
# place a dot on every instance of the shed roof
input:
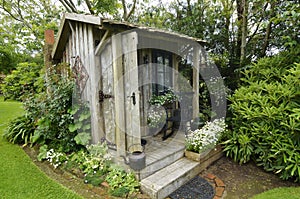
(116, 26)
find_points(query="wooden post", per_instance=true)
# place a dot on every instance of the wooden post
(196, 73)
(119, 95)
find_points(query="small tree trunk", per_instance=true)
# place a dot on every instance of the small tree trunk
(244, 27)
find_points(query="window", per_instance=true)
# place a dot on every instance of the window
(162, 71)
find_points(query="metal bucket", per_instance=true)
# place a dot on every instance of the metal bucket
(137, 159)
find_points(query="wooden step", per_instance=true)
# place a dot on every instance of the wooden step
(161, 158)
(160, 184)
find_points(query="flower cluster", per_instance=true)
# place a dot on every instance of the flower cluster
(156, 117)
(206, 137)
(55, 158)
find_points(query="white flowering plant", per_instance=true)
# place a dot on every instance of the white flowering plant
(56, 159)
(156, 117)
(201, 139)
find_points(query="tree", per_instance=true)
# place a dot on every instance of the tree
(24, 23)
(102, 8)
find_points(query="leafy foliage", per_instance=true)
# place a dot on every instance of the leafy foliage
(20, 130)
(22, 82)
(121, 183)
(266, 120)
(95, 178)
(51, 119)
(165, 98)
(25, 23)
(81, 125)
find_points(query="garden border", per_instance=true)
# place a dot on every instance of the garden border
(218, 185)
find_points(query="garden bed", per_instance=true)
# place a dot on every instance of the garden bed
(73, 181)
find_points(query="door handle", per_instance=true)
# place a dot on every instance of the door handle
(133, 98)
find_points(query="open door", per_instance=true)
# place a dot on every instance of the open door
(106, 99)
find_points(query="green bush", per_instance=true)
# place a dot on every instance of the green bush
(22, 82)
(20, 130)
(51, 119)
(121, 183)
(265, 123)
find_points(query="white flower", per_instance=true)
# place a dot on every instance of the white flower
(205, 137)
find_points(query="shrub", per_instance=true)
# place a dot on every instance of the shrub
(121, 183)
(20, 130)
(95, 159)
(266, 116)
(22, 82)
(51, 119)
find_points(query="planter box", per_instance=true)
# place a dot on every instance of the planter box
(210, 155)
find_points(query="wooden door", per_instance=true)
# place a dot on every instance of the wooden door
(107, 104)
(131, 89)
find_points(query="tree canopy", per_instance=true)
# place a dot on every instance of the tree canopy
(238, 31)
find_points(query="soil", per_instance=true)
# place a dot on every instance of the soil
(244, 181)
(241, 181)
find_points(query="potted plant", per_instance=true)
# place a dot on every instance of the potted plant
(201, 141)
(156, 119)
(164, 99)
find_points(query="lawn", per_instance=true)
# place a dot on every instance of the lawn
(20, 177)
(282, 193)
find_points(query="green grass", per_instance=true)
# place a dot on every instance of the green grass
(282, 193)
(19, 176)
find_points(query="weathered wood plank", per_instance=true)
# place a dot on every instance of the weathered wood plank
(86, 60)
(132, 93)
(119, 94)
(89, 19)
(196, 73)
(144, 80)
(108, 105)
(93, 84)
(102, 43)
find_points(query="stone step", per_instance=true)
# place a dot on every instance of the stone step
(161, 158)
(162, 183)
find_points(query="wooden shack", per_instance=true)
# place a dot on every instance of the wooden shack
(114, 63)
(106, 53)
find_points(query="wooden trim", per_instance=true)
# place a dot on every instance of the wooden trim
(89, 19)
(71, 27)
(101, 44)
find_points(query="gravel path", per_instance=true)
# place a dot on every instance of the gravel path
(197, 188)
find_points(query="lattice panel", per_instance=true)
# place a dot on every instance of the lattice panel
(81, 74)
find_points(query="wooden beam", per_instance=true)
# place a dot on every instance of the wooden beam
(196, 73)
(119, 94)
(89, 19)
(97, 132)
(71, 27)
(102, 42)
